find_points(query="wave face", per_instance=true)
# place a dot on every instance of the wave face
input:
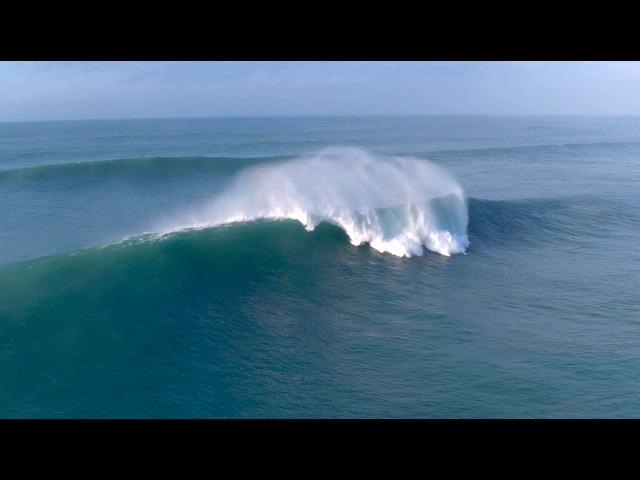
(395, 204)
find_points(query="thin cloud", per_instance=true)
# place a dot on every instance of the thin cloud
(65, 90)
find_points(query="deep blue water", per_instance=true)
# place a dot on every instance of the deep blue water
(111, 305)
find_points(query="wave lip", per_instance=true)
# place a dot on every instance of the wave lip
(395, 204)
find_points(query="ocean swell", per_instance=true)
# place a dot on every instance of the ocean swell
(396, 204)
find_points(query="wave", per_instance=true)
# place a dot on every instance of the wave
(232, 257)
(395, 204)
(162, 168)
(562, 148)
(572, 218)
(143, 271)
(130, 168)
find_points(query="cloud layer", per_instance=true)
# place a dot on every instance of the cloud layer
(76, 90)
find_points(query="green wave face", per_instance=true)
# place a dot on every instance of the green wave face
(157, 316)
(139, 269)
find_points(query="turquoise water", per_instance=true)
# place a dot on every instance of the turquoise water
(320, 267)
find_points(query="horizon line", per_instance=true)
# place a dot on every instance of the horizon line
(344, 115)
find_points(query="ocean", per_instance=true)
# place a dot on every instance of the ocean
(320, 267)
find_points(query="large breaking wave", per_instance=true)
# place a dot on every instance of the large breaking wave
(396, 204)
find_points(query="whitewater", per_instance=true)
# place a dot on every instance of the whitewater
(396, 204)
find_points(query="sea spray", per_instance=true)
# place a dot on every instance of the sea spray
(395, 204)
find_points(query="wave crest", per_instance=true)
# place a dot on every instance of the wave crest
(395, 204)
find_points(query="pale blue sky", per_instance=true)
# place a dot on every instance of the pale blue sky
(77, 90)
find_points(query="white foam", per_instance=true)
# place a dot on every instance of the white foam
(396, 204)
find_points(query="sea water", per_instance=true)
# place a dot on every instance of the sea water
(441, 266)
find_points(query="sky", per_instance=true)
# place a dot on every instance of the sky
(87, 90)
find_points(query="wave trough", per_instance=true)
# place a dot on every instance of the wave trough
(396, 204)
